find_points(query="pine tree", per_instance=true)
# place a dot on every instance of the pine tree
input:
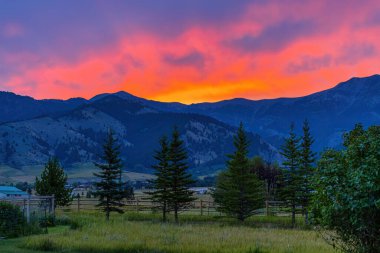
(179, 179)
(291, 179)
(239, 192)
(53, 181)
(109, 189)
(160, 193)
(307, 159)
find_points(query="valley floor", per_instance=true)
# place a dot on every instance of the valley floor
(125, 233)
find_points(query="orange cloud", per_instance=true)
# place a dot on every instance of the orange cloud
(253, 57)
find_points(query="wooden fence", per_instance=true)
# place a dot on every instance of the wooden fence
(197, 207)
(201, 207)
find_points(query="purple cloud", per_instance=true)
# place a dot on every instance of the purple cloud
(193, 59)
(273, 38)
(309, 63)
(353, 53)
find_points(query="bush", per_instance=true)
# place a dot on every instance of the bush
(48, 221)
(63, 220)
(12, 221)
(41, 244)
(347, 198)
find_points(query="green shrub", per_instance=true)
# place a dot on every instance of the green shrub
(75, 224)
(48, 221)
(47, 245)
(32, 228)
(13, 223)
(347, 198)
(12, 220)
(63, 220)
(42, 244)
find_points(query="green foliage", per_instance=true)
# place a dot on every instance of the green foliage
(53, 180)
(23, 186)
(11, 220)
(238, 191)
(270, 174)
(13, 223)
(48, 221)
(291, 177)
(178, 178)
(110, 188)
(347, 198)
(161, 184)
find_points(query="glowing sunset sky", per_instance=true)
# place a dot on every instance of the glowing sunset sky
(187, 51)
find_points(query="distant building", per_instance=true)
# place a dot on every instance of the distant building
(81, 191)
(200, 190)
(11, 191)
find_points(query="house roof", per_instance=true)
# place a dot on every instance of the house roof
(11, 190)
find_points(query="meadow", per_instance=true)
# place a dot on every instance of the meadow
(137, 232)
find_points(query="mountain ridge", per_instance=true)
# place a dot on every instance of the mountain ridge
(76, 137)
(331, 113)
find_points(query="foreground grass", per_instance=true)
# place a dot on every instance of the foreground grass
(13, 245)
(125, 234)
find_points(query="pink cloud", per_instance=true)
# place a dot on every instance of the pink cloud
(270, 50)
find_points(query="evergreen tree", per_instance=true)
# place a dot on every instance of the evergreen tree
(291, 178)
(53, 181)
(238, 190)
(307, 159)
(179, 180)
(109, 189)
(160, 193)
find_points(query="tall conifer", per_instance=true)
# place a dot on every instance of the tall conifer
(160, 185)
(307, 159)
(179, 179)
(109, 188)
(291, 178)
(239, 192)
(53, 180)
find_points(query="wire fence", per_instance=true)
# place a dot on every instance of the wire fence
(34, 208)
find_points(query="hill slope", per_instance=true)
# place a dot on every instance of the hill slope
(75, 137)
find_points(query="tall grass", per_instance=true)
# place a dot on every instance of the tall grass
(124, 234)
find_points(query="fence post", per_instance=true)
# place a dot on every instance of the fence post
(267, 207)
(208, 208)
(137, 204)
(28, 210)
(53, 205)
(201, 207)
(24, 208)
(78, 203)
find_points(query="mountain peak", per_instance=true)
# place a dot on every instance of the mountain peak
(373, 80)
(120, 94)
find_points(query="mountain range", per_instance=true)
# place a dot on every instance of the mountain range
(73, 130)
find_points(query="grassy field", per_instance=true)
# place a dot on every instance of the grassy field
(135, 232)
(77, 172)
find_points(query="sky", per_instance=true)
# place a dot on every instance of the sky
(185, 50)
